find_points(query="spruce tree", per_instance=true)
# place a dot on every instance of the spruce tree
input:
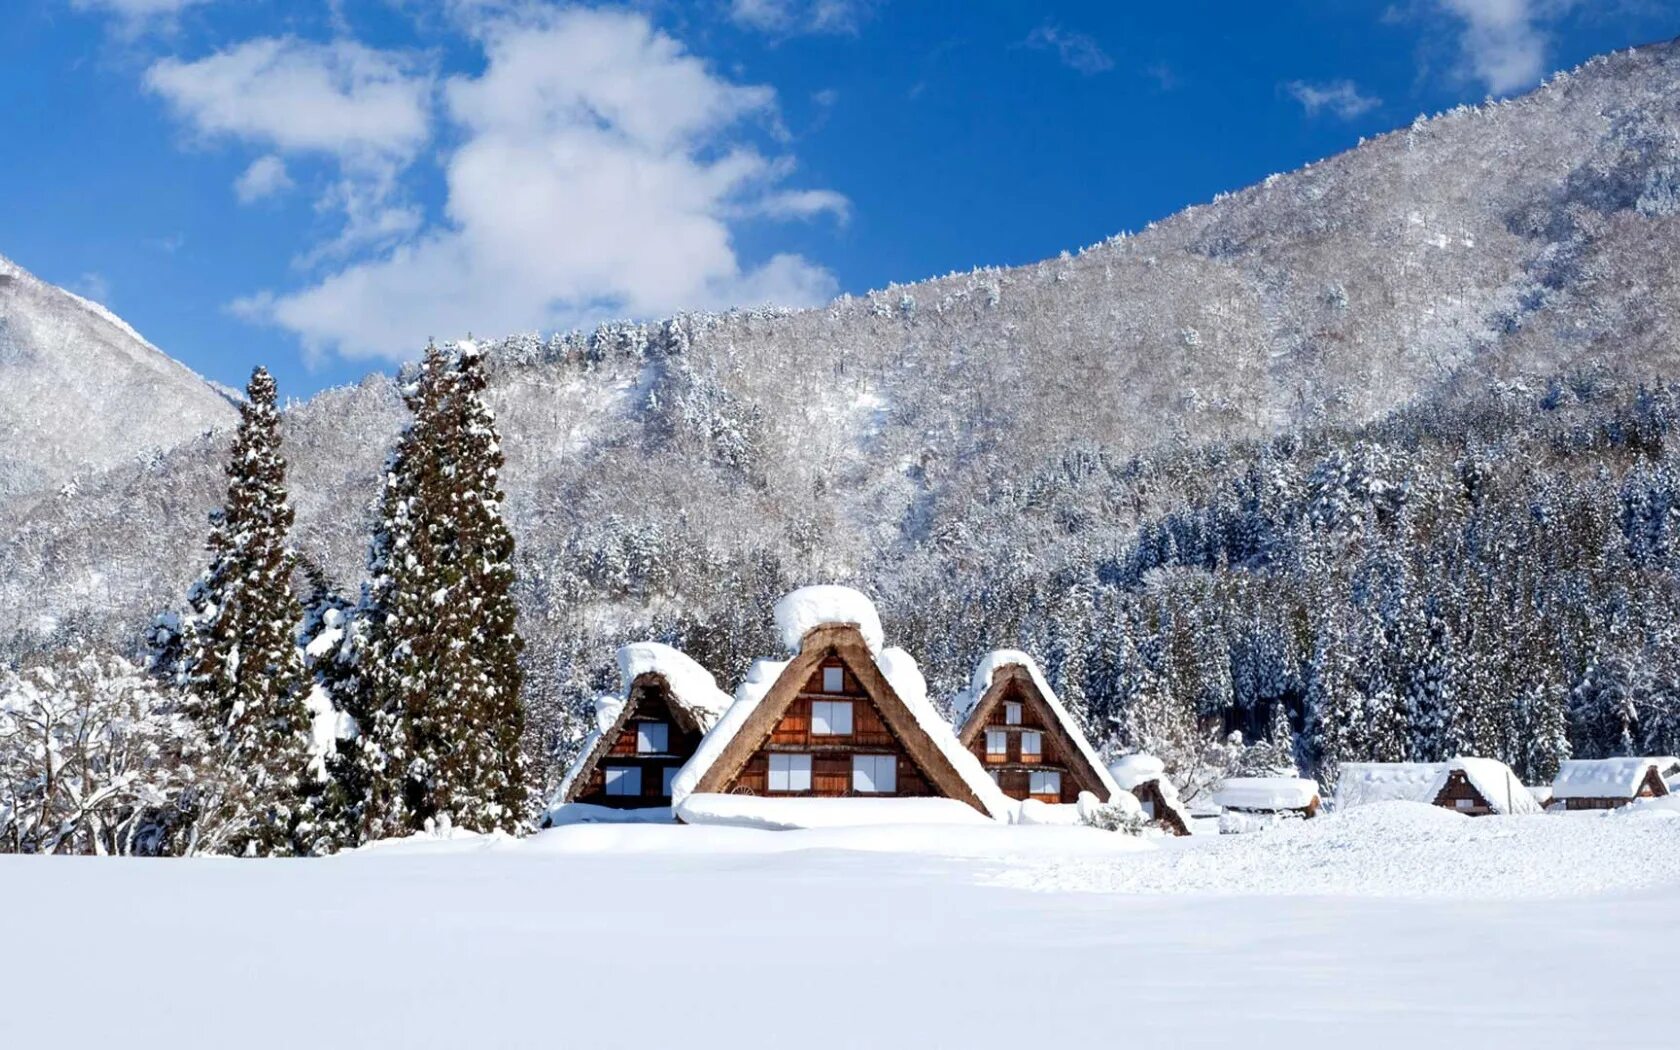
(235, 654)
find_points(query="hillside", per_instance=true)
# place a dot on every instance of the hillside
(81, 392)
(671, 477)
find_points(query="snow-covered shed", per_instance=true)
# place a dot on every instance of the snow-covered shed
(1362, 783)
(1268, 795)
(643, 735)
(840, 732)
(1480, 787)
(1145, 776)
(1607, 783)
(1013, 723)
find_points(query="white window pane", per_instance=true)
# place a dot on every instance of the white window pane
(886, 773)
(652, 738)
(1012, 714)
(997, 742)
(1032, 743)
(624, 780)
(665, 783)
(799, 772)
(874, 774)
(778, 772)
(831, 718)
(1045, 783)
(834, 679)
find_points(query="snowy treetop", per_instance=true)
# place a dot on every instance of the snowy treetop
(810, 607)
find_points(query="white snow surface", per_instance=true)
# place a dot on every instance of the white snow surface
(1265, 793)
(1493, 779)
(808, 607)
(585, 813)
(1325, 932)
(981, 681)
(1128, 771)
(1603, 777)
(783, 814)
(1362, 783)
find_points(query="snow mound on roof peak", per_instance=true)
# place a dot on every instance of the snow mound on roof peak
(810, 607)
(691, 685)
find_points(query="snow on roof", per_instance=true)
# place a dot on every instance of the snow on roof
(1128, 771)
(1266, 793)
(999, 659)
(797, 613)
(1603, 777)
(905, 677)
(692, 688)
(760, 677)
(1363, 783)
(1493, 780)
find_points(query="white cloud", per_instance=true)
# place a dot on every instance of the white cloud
(368, 111)
(266, 177)
(1504, 41)
(598, 173)
(1077, 51)
(136, 10)
(1339, 97)
(799, 16)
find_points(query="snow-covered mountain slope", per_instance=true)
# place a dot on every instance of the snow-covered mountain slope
(1486, 245)
(82, 392)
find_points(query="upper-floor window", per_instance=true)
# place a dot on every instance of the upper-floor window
(1032, 743)
(623, 780)
(1011, 714)
(997, 742)
(652, 738)
(834, 679)
(790, 772)
(874, 774)
(831, 718)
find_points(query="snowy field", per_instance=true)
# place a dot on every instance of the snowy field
(1390, 926)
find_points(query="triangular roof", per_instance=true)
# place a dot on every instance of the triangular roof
(1492, 779)
(986, 689)
(892, 681)
(1606, 777)
(695, 700)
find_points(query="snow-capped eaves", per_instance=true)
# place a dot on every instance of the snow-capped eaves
(969, 704)
(1615, 778)
(1493, 780)
(1266, 794)
(1362, 783)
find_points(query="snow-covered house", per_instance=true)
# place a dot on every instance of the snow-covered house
(1607, 783)
(643, 736)
(842, 732)
(1282, 797)
(1145, 776)
(1362, 783)
(1480, 787)
(1013, 723)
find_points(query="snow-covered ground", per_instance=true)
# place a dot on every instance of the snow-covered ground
(1387, 927)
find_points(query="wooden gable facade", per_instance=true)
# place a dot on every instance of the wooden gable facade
(631, 766)
(1461, 796)
(831, 726)
(1026, 748)
(1651, 785)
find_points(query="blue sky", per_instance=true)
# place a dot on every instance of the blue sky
(320, 187)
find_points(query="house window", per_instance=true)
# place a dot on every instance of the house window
(1464, 803)
(1032, 744)
(652, 738)
(1044, 782)
(997, 744)
(665, 783)
(790, 772)
(834, 679)
(874, 774)
(624, 780)
(1012, 714)
(831, 718)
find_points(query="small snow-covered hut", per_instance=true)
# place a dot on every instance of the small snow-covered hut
(1145, 776)
(1607, 783)
(1362, 783)
(1480, 787)
(841, 732)
(1268, 795)
(1013, 723)
(643, 735)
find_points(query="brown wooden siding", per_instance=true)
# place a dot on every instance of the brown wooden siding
(650, 701)
(1458, 788)
(1011, 770)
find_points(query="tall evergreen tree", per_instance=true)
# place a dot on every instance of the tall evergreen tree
(234, 651)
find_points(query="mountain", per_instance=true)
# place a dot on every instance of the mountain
(82, 392)
(667, 476)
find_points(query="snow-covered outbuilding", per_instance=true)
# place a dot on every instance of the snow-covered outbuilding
(1608, 783)
(643, 736)
(1362, 783)
(1013, 723)
(1296, 795)
(1145, 776)
(841, 732)
(1480, 787)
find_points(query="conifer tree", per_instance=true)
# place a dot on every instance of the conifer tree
(234, 652)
